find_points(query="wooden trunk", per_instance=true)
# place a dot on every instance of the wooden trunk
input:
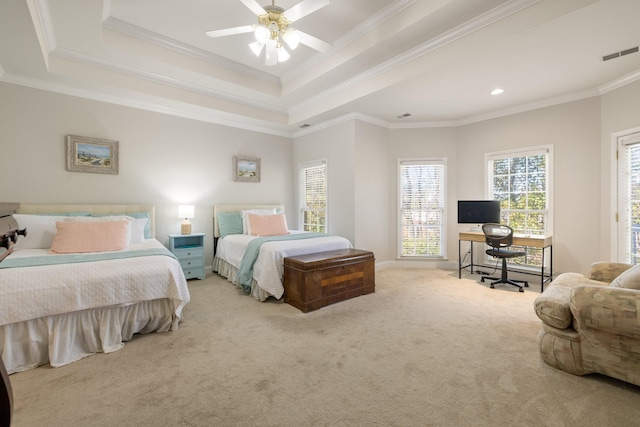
(315, 280)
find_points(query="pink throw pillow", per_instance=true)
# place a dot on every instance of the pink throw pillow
(268, 225)
(80, 237)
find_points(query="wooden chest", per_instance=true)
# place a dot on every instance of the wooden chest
(315, 280)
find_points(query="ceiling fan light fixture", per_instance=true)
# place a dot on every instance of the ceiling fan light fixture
(256, 47)
(273, 31)
(291, 38)
(271, 53)
(283, 55)
(262, 34)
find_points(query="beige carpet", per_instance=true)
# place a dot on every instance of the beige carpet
(427, 349)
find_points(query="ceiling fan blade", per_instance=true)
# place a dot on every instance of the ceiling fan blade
(254, 7)
(313, 42)
(230, 31)
(304, 8)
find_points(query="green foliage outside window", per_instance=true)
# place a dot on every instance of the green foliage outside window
(520, 184)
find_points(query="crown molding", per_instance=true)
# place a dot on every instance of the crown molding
(620, 82)
(43, 26)
(185, 49)
(522, 108)
(445, 38)
(162, 79)
(154, 104)
(364, 27)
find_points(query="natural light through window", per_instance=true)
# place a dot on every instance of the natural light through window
(421, 213)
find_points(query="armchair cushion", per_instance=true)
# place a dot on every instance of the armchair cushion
(552, 306)
(607, 271)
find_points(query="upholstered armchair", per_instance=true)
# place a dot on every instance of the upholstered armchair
(592, 324)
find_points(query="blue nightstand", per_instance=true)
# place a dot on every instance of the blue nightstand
(189, 249)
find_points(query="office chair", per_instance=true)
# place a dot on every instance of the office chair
(499, 237)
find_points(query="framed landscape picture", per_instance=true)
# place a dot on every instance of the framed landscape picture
(93, 155)
(246, 169)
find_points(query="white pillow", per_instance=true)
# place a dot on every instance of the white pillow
(629, 279)
(137, 231)
(246, 224)
(40, 230)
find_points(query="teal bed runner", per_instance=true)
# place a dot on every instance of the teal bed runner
(84, 257)
(245, 272)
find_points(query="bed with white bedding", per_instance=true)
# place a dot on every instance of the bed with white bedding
(264, 278)
(60, 307)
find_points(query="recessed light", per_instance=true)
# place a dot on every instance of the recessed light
(497, 91)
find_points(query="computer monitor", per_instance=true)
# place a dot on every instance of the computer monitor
(478, 211)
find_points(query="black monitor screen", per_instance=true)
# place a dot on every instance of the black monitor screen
(478, 211)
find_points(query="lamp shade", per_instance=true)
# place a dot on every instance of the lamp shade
(186, 211)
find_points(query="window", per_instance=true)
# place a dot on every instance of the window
(521, 181)
(422, 201)
(628, 199)
(313, 196)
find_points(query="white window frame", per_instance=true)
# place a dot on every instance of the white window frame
(443, 225)
(620, 240)
(302, 208)
(528, 151)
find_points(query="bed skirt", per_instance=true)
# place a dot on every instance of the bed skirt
(230, 272)
(65, 338)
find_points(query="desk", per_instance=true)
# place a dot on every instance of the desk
(542, 242)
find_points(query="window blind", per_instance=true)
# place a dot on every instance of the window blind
(313, 196)
(422, 206)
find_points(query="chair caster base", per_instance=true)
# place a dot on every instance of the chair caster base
(497, 281)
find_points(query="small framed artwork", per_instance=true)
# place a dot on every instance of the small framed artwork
(85, 154)
(246, 169)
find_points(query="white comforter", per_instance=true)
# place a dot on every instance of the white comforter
(31, 292)
(268, 269)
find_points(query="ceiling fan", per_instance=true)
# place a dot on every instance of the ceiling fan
(272, 31)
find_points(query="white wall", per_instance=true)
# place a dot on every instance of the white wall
(164, 160)
(373, 182)
(336, 144)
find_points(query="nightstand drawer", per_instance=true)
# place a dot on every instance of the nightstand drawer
(191, 263)
(190, 273)
(188, 253)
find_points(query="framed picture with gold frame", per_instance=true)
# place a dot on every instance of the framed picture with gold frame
(94, 155)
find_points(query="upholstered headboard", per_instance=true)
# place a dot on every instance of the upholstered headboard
(237, 208)
(94, 210)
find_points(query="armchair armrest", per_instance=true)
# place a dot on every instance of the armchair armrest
(612, 310)
(607, 271)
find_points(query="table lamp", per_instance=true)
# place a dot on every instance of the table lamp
(186, 212)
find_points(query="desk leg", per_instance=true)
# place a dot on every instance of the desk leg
(459, 259)
(542, 278)
(542, 272)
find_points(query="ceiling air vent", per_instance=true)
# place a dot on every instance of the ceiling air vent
(306, 125)
(403, 116)
(619, 54)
